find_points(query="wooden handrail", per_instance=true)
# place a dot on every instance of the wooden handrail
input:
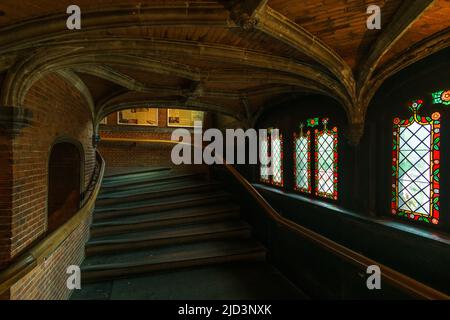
(395, 278)
(45, 247)
(142, 140)
(406, 284)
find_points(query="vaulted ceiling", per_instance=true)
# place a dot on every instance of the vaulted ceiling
(234, 57)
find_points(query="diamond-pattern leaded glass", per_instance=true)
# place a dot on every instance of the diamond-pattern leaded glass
(326, 162)
(277, 160)
(416, 165)
(271, 151)
(302, 162)
(414, 168)
(264, 150)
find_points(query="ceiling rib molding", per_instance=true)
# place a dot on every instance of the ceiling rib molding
(282, 28)
(49, 27)
(75, 80)
(243, 12)
(110, 74)
(285, 83)
(30, 70)
(43, 31)
(70, 56)
(55, 49)
(115, 105)
(6, 62)
(406, 58)
(408, 13)
(220, 53)
(212, 52)
(417, 52)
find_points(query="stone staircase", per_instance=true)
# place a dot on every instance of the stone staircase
(163, 220)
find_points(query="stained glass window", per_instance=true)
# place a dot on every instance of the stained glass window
(302, 161)
(264, 156)
(442, 97)
(271, 169)
(277, 160)
(313, 122)
(326, 158)
(416, 166)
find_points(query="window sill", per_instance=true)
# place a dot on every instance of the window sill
(385, 222)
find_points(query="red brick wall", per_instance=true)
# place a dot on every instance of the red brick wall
(136, 155)
(48, 280)
(5, 198)
(59, 112)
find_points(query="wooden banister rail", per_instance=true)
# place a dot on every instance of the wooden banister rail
(48, 245)
(140, 140)
(406, 284)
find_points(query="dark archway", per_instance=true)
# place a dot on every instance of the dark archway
(64, 183)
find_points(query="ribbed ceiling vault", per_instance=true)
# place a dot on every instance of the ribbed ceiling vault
(217, 55)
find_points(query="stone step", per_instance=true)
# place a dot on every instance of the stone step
(157, 191)
(167, 236)
(148, 179)
(157, 184)
(137, 172)
(122, 265)
(108, 212)
(166, 218)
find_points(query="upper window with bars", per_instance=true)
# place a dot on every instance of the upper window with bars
(302, 160)
(271, 149)
(416, 166)
(326, 154)
(264, 157)
(324, 182)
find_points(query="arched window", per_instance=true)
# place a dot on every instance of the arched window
(277, 159)
(324, 162)
(271, 169)
(264, 154)
(416, 166)
(326, 157)
(302, 161)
